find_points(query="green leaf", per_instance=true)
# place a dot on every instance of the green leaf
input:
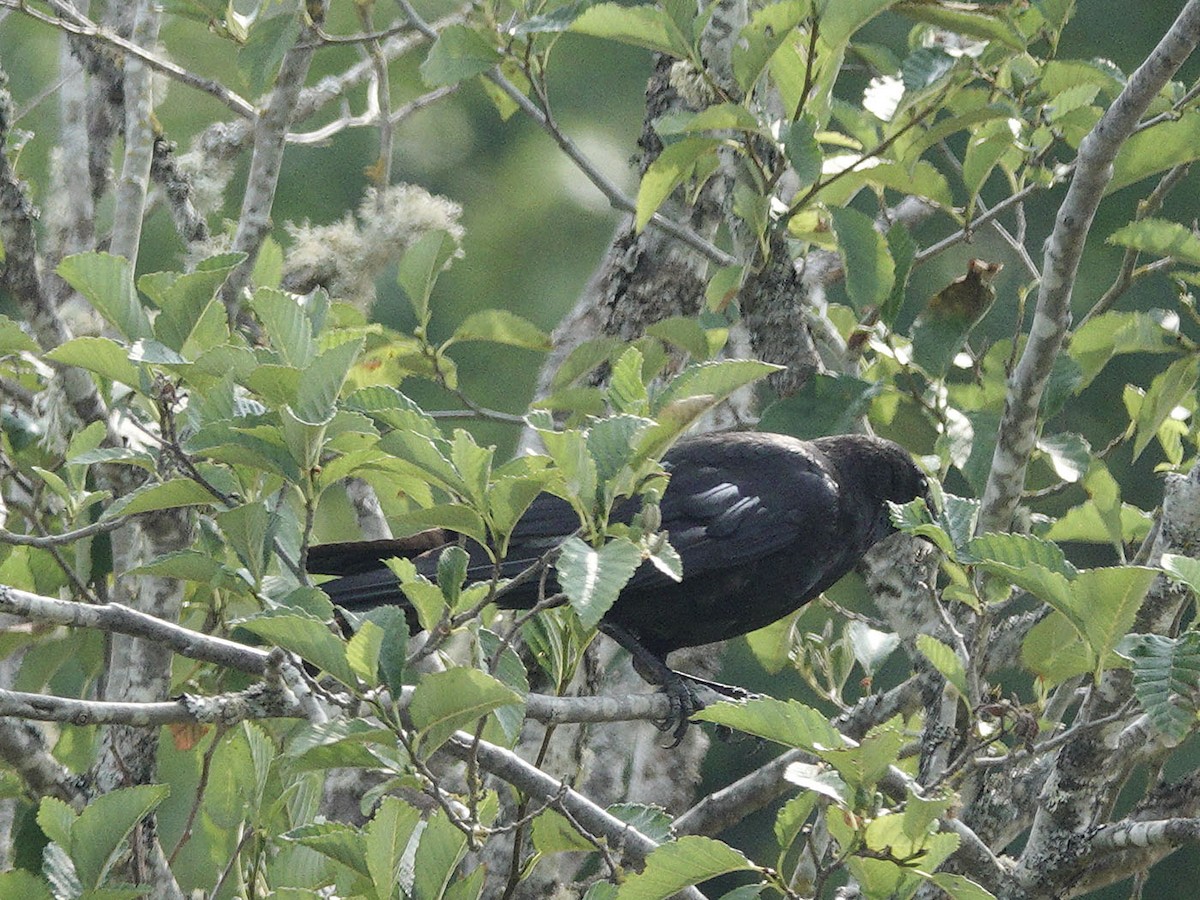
(22, 883)
(386, 840)
(1017, 551)
(641, 26)
(713, 381)
(363, 650)
(768, 29)
(185, 299)
(248, 529)
(1184, 568)
(1166, 679)
(341, 843)
(673, 166)
(864, 765)
(945, 660)
(1160, 147)
(626, 389)
(1111, 597)
(689, 860)
(1167, 390)
(317, 393)
(592, 579)
(457, 517)
(984, 149)
(393, 649)
(903, 250)
(1054, 650)
(803, 151)
(613, 444)
(107, 283)
(309, 639)
(501, 327)
(686, 333)
(1160, 238)
(56, 819)
(790, 722)
(104, 824)
(973, 20)
(100, 355)
(826, 404)
(458, 53)
(841, 18)
(13, 339)
(870, 271)
(718, 117)
(288, 328)
(442, 847)
(168, 495)
(444, 702)
(424, 261)
(960, 887)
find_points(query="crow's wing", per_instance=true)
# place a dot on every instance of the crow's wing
(733, 500)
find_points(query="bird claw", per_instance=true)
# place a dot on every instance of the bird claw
(684, 703)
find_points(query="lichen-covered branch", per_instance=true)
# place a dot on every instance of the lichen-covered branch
(1064, 249)
(270, 133)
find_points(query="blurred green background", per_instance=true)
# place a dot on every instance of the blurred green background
(536, 228)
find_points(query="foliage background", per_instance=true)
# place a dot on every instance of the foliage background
(535, 228)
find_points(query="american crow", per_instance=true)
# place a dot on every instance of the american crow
(763, 524)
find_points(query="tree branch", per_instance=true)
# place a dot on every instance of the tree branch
(1052, 316)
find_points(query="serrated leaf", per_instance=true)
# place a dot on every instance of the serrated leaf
(1155, 149)
(317, 393)
(103, 825)
(444, 702)
(641, 26)
(1161, 238)
(386, 839)
(945, 660)
(790, 722)
(613, 443)
(1112, 597)
(20, 882)
(502, 327)
(309, 639)
(248, 529)
(626, 390)
(363, 649)
(340, 842)
(870, 646)
(592, 579)
(56, 819)
(168, 495)
(100, 355)
(1166, 391)
(1054, 650)
(424, 261)
(689, 860)
(286, 325)
(1166, 679)
(107, 283)
(671, 168)
(973, 20)
(458, 53)
(826, 404)
(13, 339)
(870, 271)
(768, 29)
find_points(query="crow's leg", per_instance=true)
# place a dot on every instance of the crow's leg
(655, 670)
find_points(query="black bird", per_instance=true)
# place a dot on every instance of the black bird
(763, 524)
